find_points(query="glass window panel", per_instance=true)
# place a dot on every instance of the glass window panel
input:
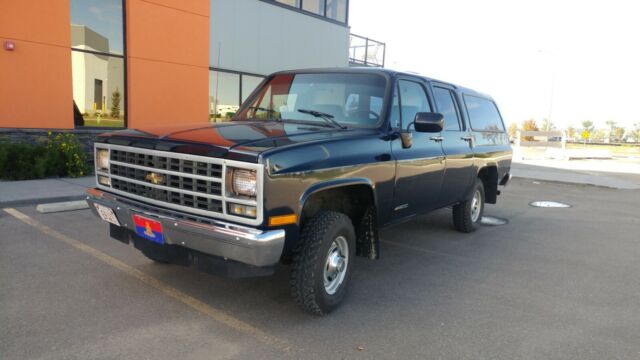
(294, 3)
(249, 83)
(447, 107)
(348, 98)
(395, 110)
(483, 114)
(224, 95)
(97, 25)
(314, 6)
(337, 10)
(98, 89)
(413, 99)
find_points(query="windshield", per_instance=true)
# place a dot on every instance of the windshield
(327, 99)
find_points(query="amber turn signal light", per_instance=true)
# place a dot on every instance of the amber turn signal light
(282, 220)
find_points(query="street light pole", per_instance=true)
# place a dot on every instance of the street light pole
(553, 86)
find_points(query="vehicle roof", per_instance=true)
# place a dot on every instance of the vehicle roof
(383, 71)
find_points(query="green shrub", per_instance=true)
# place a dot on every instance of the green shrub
(59, 155)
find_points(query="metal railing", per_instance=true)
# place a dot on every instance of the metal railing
(366, 52)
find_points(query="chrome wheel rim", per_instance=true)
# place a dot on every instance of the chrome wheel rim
(335, 265)
(476, 206)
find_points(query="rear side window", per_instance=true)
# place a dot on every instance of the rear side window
(447, 107)
(483, 114)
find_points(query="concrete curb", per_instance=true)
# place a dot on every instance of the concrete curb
(62, 206)
(27, 202)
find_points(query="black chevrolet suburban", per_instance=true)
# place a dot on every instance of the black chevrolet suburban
(312, 165)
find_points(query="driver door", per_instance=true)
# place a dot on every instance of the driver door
(420, 168)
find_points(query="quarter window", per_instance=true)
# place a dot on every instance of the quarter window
(483, 114)
(446, 104)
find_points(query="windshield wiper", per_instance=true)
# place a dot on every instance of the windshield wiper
(324, 116)
(269, 111)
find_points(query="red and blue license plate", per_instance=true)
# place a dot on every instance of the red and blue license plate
(149, 229)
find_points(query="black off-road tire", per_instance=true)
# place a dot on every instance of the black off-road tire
(307, 284)
(462, 212)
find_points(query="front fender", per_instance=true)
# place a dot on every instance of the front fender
(333, 184)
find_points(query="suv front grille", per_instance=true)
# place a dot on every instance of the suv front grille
(162, 162)
(174, 181)
(188, 183)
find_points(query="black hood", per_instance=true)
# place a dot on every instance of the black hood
(239, 140)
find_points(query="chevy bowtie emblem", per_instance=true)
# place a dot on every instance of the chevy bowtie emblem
(155, 178)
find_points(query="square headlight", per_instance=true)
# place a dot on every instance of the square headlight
(243, 182)
(102, 159)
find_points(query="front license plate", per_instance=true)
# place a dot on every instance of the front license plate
(149, 229)
(107, 214)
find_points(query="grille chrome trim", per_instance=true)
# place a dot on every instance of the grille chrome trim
(168, 172)
(168, 188)
(223, 197)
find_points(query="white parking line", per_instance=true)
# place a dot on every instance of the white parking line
(170, 291)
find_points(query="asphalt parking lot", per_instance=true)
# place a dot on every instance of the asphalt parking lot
(550, 284)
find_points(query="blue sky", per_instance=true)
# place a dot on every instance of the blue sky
(103, 17)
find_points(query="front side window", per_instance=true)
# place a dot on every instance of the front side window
(446, 104)
(349, 99)
(97, 63)
(413, 99)
(483, 114)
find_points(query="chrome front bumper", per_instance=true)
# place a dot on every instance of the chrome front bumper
(212, 237)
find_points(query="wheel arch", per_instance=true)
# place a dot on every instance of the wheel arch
(356, 198)
(488, 174)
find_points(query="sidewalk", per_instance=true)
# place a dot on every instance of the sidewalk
(28, 192)
(602, 174)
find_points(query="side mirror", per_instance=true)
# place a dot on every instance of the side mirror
(428, 122)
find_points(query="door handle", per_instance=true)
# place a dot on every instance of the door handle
(467, 138)
(437, 138)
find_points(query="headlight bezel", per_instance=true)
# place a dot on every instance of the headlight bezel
(102, 159)
(242, 182)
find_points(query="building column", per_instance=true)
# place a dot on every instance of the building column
(35, 77)
(167, 51)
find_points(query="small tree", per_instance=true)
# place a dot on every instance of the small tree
(547, 125)
(635, 133)
(571, 132)
(618, 133)
(513, 129)
(599, 135)
(587, 125)
(529, 125)
(611, 129)
(115, 104)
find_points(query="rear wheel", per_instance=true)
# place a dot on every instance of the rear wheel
(468, 214)
(323, 262)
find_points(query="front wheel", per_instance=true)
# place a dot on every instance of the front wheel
(468, 214)
(323, 262)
